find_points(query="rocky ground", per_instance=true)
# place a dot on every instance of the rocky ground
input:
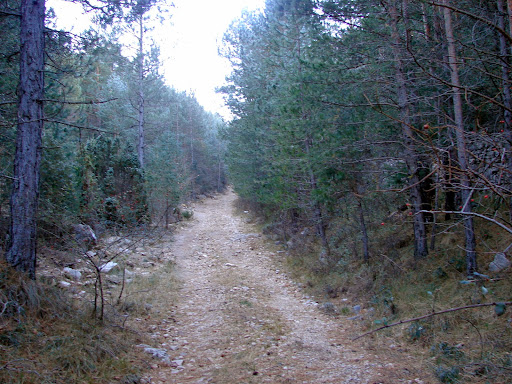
(236, 317)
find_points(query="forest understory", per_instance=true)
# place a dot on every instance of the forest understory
(217, 301)
(212, 302)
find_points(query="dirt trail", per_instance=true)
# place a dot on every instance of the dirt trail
(239, 319)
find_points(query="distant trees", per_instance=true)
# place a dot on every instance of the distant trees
(137, 19)
(91, 165)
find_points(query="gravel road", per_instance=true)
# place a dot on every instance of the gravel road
(238, 318)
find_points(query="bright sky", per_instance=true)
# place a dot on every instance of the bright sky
(188, 43)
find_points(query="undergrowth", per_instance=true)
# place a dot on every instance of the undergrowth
(467, 346)
(45, 338)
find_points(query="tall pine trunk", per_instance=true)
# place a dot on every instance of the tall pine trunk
(319, 219)
(364, 232)
(21, 252)
(141, 122)
(469, 232)
(505, 79)
(505, 68)
(509, 11)
(411, 157)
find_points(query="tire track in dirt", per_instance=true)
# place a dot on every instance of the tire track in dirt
(239, 319)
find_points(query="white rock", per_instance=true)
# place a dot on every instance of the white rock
(72, 273)
(64, 284)
(91, 254)
(112, 239)
(160, 354)
(108, 267)
(500, 263)
(84, 235)
(178, 363)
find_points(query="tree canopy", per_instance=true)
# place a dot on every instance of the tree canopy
(111, 144)
(352, 101)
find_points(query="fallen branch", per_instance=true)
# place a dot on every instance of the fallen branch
(431, 315)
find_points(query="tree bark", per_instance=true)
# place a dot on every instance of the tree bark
(426, 26)
(509, 11)
(505, 67)
(317, 208)
(21, 252)
(507, 96)
(411, 158)
(471, 260)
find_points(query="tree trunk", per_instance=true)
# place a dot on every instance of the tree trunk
(364, 232)
(320, 221)
(140, 146)
(471, 261)
(21, 252)
(505, 67)
(426, 26)
(317, 208)
(509, 11)
(411, 158)
(507, 97)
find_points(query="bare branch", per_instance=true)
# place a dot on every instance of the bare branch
(8, 102)
(9, 13)
(8, 177)
(494, 221)
(473, 16)
(78, 126)
(88, 102)
(431, 315)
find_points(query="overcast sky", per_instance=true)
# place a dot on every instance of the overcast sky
(188, 43)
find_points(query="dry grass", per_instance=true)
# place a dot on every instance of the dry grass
(45, 338)
(139, 297)
(471, 346)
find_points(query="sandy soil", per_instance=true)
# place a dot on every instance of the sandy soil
(238, 318)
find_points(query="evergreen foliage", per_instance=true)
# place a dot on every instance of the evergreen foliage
(90, 172)
(349, 102)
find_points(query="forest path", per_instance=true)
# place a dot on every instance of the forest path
(239, 319)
